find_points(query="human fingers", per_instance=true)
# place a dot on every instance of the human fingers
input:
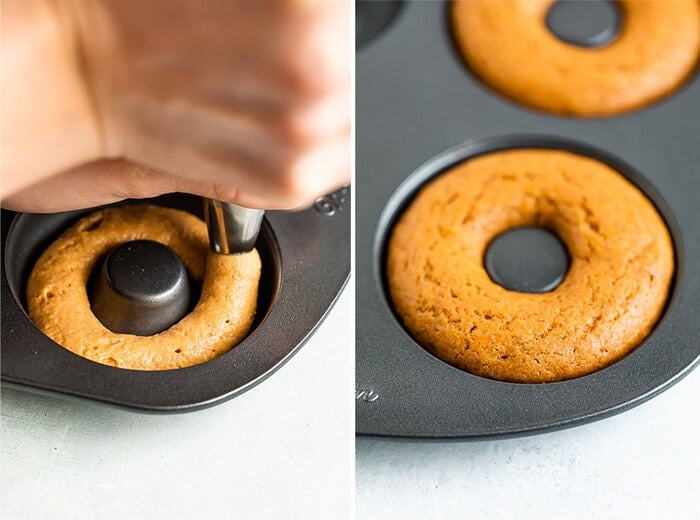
(106, 181)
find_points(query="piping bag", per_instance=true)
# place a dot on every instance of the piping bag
(232, 228)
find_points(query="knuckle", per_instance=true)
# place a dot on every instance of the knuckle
(295, 186)
(315, 69)
(299, 128)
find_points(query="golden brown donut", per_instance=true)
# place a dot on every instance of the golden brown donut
(58, 303)
(508, 45)
(615, 290)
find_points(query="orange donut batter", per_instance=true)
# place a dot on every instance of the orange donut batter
(58, 302)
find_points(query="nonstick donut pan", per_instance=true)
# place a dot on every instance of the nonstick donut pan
(419, 111)
(305, 264)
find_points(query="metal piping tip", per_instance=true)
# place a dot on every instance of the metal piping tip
(232, 228)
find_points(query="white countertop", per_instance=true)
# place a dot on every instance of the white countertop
(284, 449)
(642, 464)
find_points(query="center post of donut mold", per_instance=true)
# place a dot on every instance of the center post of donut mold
(140, 288)
(593, 23)
(527, 259)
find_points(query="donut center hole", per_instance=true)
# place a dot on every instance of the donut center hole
(527, 259)
(141, 287)
(593, 23)
(372, 18)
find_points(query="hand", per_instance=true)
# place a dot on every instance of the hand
(244, 101)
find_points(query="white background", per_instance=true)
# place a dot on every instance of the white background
(642, 464)
(284, 449)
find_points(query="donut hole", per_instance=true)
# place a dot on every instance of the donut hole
(528, 259)
(594, 23)
(141, 287)
(31, 234)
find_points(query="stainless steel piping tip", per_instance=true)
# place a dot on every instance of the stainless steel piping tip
(232, 228)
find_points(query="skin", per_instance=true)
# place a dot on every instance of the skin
(246, 101)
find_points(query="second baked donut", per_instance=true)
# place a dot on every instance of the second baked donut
(508, 45)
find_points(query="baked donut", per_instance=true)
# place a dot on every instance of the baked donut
(508, 45)
(621, 266)
(57, 297)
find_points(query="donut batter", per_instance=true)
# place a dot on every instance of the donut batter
(58, 303)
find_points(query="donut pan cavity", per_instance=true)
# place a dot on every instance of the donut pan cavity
(305, 264)
(420, 111)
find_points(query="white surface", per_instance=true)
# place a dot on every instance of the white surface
(282, 450)
(642, 464)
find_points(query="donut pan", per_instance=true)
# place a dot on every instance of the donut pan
(419, 110)
(305, 264)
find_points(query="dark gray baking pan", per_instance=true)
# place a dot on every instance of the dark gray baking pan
(419, 111)
(305, 264)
